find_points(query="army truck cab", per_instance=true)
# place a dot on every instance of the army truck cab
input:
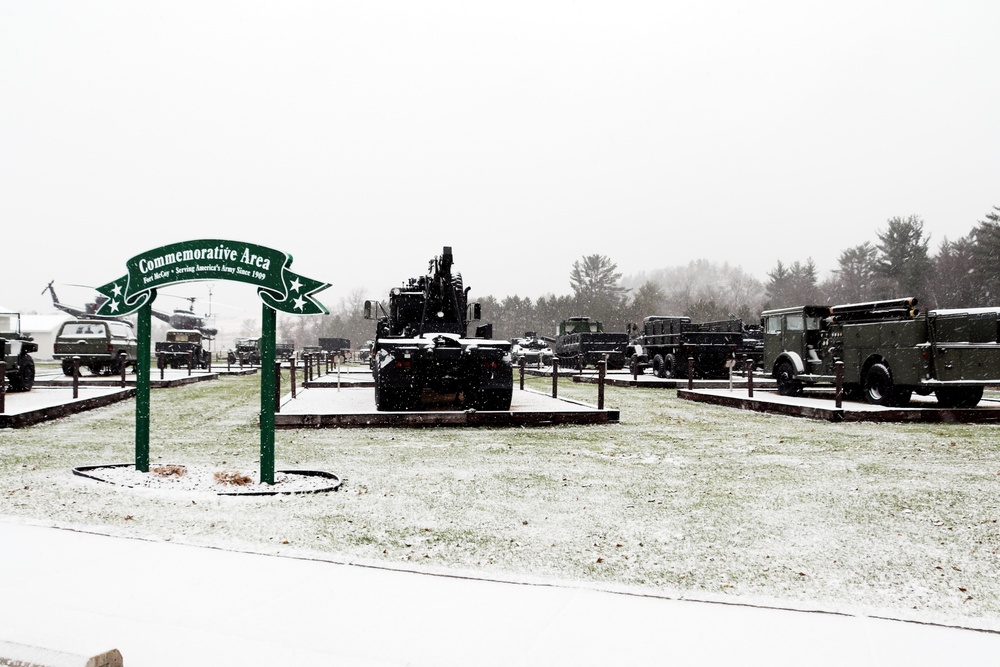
(17, 349)
(888, 348)
(103, 346)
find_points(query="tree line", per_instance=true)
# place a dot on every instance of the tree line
(899, 262)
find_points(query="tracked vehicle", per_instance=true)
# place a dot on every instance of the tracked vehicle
(422, 353)
(890, 350)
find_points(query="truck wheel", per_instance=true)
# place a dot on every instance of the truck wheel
(67, 366)
(490, 399)
(24, 378)
(959, 397)
(669, 369)
(785, 376)
(658, 370)
(878, 389)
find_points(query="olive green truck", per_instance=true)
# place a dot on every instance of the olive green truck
(889, 349)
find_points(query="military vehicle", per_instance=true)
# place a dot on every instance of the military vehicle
(888, 348)
(17, 349)
(423, 354)
(667, 342)
(182, 345)
(180, 318)
(535, 350)
(284, 349)
(245, 351)
(104, 347)
(753, 344)
(582, 341)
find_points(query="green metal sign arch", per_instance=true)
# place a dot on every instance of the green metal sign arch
(211, 259)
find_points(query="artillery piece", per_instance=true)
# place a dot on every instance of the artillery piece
(423, 354)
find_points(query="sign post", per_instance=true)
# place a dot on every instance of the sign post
(211, 259)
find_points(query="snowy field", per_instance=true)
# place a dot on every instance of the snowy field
(684, 499)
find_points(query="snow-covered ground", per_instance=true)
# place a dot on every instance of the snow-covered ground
(679, 501)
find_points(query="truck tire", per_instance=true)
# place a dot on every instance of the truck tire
(658, 365)
(67, 367)
(669, 367)
(489, 399)
(784, 374)
(878, 389)
(959, 397)
(24, 378)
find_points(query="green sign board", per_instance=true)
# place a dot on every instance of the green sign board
(213, 259)
(278, 287)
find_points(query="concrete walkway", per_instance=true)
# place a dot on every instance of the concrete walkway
(160, 603)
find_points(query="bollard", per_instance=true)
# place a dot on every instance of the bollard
(124, 366)
(635, 368)
(161, 363)
(839, 366)
(277, 386)
(602, 370)
(76, 377)
(520, 364)
(555, 377)
(749, 366)
(190, 361)
(291, 375)
(690, 373)
(3, 385)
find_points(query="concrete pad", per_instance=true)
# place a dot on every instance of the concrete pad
(822, 405)
(41, 404)
(169, 377)
(355, 407)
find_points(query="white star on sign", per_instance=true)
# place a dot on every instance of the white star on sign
(117, 291)
(299, 303)
(113, 307)
(296, 285)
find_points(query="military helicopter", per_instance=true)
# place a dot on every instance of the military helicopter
(178, 319)
(88, 312)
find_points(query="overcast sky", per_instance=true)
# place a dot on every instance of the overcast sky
(362, 137)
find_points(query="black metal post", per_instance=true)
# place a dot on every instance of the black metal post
(3, 384)
(555, 377)
(520, 365)
(602, 370)
(690, 372)
(749, 366)
(76, 377)
(839, 366)
(291, 375)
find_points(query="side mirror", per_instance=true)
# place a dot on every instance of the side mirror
(475, 312)
(369, 310)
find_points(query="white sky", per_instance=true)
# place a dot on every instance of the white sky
(362, 137)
